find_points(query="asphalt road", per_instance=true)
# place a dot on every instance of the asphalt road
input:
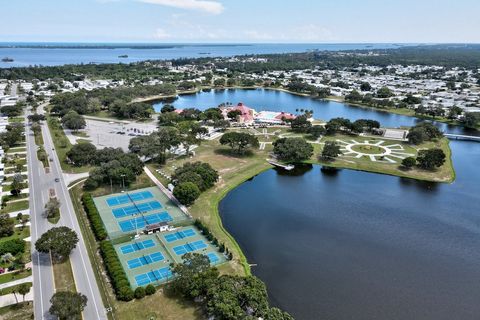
(40, 183)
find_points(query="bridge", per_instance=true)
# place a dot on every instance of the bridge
(462, 137)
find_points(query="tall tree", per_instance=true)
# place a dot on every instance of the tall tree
(240, 142)
(292, 149)
(67, 305)
(59, 241)
(330, 151)
(72, 120)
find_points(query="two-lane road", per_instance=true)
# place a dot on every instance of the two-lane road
(82, 269)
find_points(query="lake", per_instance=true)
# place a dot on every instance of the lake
(52, 54)
(355, 245)
(274, 100)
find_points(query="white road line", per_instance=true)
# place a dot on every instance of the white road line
(69, 203)
(32, 194)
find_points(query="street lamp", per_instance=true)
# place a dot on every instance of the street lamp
(123, 181)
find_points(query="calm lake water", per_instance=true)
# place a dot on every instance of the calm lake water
(273, 100)
(26, 54)
(355, 245)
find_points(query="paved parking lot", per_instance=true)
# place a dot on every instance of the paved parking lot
(112, 134)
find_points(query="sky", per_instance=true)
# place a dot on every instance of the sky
(241, 21)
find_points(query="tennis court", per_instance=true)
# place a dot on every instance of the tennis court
(213, 258)
(124, 213)
(150, 253)
(136, 208)
(128, 197)
(142, 221)
(189, 247)
(137, 246)
(154, 276)
(179, 235)
(144, 260)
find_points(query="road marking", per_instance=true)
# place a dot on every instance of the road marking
(32, 197)
(69, 209)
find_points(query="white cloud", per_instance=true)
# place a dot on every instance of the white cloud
(161, 34)
(301, 33)
(209, 6)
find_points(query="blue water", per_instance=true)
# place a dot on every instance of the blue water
(52, 56)
(355, 245)
(272, 100)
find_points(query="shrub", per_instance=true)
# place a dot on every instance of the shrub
(125, 294)
(94, 217)
(139, 293)
(150, 289)
(13, 246)
(117, 275)
(409, 162)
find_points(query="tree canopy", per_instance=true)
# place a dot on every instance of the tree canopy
(72, 120)
(292, 149)
(59, 241)
(240, 142)
(67, 305)
(431, 158)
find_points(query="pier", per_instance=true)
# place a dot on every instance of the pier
(287, 167)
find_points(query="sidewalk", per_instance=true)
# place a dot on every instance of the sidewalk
(9, 299)
(15, 282)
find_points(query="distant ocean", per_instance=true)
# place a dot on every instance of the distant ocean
(54, 54)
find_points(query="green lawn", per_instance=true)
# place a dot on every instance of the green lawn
(15, 206)
(11, 289)
(55, 218)
(16, 120)
(4, 278)
(18, 234)
(445, 173)
(80, 134)
(62, 146)
(63, 276)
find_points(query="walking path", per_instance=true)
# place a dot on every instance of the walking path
(166, 191)
(15, 282)
(9, 299)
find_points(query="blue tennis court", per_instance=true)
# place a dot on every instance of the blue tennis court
(140, 223)
(179, 235)
(126, 198)
(138, 208)
(213, 258)
(144, 260)
(153, 276)
(189, 247)
(137, 246)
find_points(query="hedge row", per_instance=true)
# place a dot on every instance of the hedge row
(210, 237)
(117, 275)
(94, 217)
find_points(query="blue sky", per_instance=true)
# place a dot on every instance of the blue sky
(220, 21)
